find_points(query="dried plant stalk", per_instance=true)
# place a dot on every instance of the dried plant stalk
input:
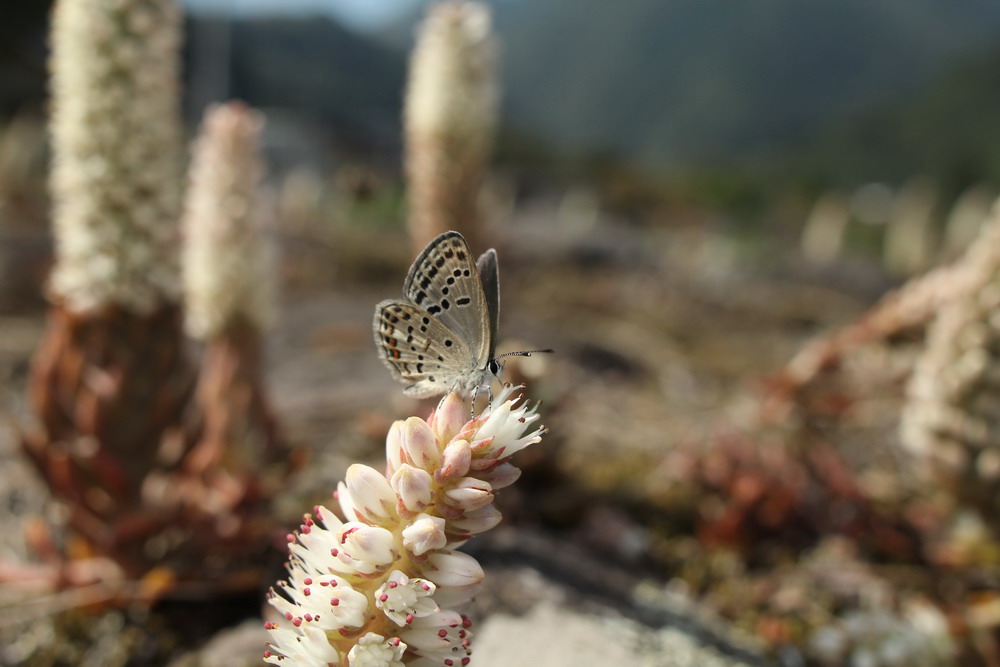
(450, 119)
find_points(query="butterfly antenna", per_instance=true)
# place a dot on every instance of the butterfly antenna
(525, 353)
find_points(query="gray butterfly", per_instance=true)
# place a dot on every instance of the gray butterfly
(442, 337)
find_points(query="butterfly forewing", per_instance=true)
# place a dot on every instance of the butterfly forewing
(418, 349)
(489, 275)
(444, 281)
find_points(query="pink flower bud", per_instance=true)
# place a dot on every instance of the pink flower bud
(457, 459)
(449, 417)
(395, 456)
(502, 476)
(424, 534)
(414, 487)
(420, 444)
(470, 493)
(477, 521)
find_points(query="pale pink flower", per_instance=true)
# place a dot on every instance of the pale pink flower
(389, 569)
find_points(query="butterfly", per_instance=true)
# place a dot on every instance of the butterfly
(442, 336)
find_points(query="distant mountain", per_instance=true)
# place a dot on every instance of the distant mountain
(949, 130)
(681, 81)
(852, 89)
(310, 68)
(23, 32)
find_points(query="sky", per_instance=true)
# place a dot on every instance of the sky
(360, 14)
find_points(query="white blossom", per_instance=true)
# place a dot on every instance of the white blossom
(403, 599)
(391, 566)
(374, 650)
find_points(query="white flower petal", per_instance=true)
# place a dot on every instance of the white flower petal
(371, 493)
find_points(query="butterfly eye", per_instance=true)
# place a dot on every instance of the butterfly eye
(493, 367)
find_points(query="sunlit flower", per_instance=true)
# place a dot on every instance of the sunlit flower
(390, 571)
(403, 599)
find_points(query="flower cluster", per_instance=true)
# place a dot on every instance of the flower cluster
(385, 582)
(225, 258)
(116, 152)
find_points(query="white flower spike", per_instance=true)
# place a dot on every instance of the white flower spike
(384, 584)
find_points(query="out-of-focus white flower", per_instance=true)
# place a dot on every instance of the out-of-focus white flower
(304, 646)
(450, 117)
(227, 258)
(452, 87)
(116, 153)
(391, 569)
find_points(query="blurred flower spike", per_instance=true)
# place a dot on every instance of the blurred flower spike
(384, 584)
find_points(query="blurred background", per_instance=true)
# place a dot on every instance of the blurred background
(662, 114)
(683, 194)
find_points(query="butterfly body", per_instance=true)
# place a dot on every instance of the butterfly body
(442, 336)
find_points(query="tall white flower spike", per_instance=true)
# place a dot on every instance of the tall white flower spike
(116, 171)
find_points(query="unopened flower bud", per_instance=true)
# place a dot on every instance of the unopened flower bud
(414, 487)
(449, 417)
(453, 568)
(502, 476)
(477, 521)
(420, 443)
(470, 493)
(457, 459)
(424, 534)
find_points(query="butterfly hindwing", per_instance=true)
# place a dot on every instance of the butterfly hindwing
(419, 349)
(444, 281)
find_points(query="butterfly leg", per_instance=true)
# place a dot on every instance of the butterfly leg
(472, 408)
(489, 398)
(475, 394)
